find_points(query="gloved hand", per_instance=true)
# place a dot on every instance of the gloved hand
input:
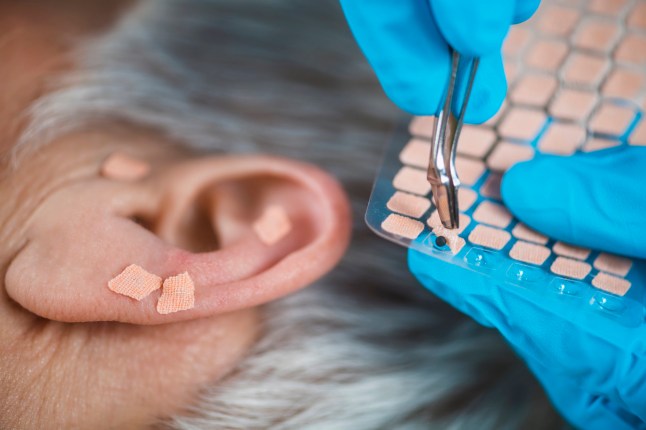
(592, 367)
(407, 44)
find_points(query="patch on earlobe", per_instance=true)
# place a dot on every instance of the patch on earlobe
(135, 282)
(123, 167)
(178, 294)
(272, 225)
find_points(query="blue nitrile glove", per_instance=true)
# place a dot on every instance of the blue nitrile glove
(406, 42)
(592, 367)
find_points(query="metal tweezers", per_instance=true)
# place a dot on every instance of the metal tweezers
(441, 172)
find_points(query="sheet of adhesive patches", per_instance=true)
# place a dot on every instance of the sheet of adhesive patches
(577, 82)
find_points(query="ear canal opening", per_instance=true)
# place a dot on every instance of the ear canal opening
(196, 231)
(143, 222)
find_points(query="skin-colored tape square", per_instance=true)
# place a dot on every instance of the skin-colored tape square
(135, 282)
(521, 231)
(571, 251)
(273, 225)
(412, 180)
(408, 204)
(469, 170)
(178, 294)
(402, 226)
(489, 237)
(611, 284)
(612, 264)
(416, 153)
(529, 253)
(493, 214)
(570, 268)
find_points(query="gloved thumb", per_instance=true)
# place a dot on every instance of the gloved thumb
(595, 199)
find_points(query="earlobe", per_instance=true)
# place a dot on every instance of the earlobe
(195, 216)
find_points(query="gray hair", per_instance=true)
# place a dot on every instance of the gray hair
(365, 348)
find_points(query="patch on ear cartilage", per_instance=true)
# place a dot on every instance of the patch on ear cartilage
(178, 294)
(123, 167)
(273, 225)
(135, 282)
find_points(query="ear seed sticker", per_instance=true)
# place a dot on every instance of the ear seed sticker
(272, 225)
(178, 294)
(122, 167)
(135, 282)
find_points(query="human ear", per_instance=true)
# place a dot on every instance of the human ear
(193, 215)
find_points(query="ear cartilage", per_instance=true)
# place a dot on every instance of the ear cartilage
(273, 225)
(135, 282)
(178, 294)
(123, 167)
(563, 98)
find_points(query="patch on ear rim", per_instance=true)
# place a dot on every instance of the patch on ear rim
(135, 282)
(178, 294)
(123, 167)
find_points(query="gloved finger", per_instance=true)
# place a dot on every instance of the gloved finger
(524, 10)
(474, 28)
(418, 264)
(405, 48)
(583, 409)
(488, 92)
(592, 199)
(470, 292)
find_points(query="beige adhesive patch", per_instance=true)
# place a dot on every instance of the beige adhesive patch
(434, 222)
(570, 268)
(507, 154)
(515, 41)
(453, 241)
(613, 264)
(612, 119)
(611, 284)
(597, 144)
(469, 170)
(402, 226)
(123, 167)
(637, 17)
(557, 20)
(521, 231)
(178, 294)
(596, 35)
(466, 197)
(135, 282)
(529, 253)
(492, 214)
(573, 104)
(408, 204)
(638, 136)
(632, 49)
(412, 180)
(546, 55)
(571, 251)
(273, 225)
(562, 139)
(521, 123)
(475, 140)
(585, 69)
(489, 237)
(416, 153)
(422, 126)
(534, 89)
(624, 83)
